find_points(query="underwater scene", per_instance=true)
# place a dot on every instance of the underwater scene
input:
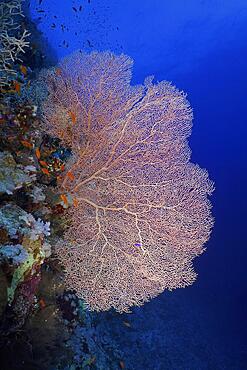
(123, 185)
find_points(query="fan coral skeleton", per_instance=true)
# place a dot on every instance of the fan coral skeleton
(141, 211)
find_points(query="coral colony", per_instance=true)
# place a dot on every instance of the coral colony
(13, 41)
(140, 212)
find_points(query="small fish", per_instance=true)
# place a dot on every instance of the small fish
(64, 199)
(126, 323)
(80, 9)
(17, 87)
(43, 163)
(75, 202)
(58, 71)
(74, 8)
(37, 153)
(27, 144)
(70, 176)
(42, 303)
(137, 245)
(121, 364)
(40, 11)
(45, 171)
(72, 116)
(40, 1)
(53, 25)
(23, 69)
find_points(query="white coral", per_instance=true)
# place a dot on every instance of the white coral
(37, 194)
(12, 41)
(38, 228)
(14, 254)
(46, 249)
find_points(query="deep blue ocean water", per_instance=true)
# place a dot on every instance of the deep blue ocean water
(201, 46)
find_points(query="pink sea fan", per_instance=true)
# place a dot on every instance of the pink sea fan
(141, 211)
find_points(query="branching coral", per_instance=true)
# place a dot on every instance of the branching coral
(12, 41)
(141, 212)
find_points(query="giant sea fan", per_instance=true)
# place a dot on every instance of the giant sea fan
(141, 213)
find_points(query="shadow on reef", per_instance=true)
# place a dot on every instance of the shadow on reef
(43, 333)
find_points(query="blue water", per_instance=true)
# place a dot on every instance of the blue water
(199, 45)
